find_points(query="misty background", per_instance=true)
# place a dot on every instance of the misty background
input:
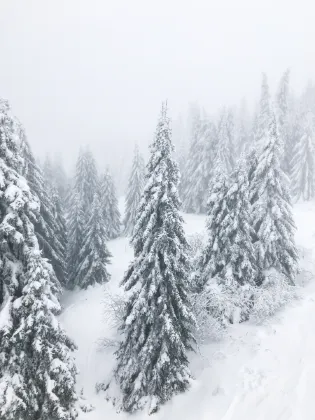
(94, 72)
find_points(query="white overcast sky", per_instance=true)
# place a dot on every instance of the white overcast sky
(95, 71)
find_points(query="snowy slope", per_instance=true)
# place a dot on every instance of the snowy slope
(257, 372)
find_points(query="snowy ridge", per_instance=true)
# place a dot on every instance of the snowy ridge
(257, 372)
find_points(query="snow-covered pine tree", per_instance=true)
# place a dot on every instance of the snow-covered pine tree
(76, 224)
(60, 202)
(60, 218)
(272, 210)
(80, 201)
(263, 117)
(86, 180)
(109, 204)
(212, 260)
(181, 158)
(48, 169)
(60, 178)
(240, 267)
(134, 191)
(282, 101)
(189, 201)
(18, 207)
(94, 255)
(242, 144)
(37, 374)
(180, 145)
(229, 229)
(227, 267)
(303, 162)
(157, 323)
(199, 168)
(37, 379)
(50, 233)
(225, 147)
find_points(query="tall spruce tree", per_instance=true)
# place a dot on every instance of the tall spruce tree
(76, 224)
(134, 192)
(86, 180)
(282, 102)
(37, 379)
(303, 162)
(157, 322)
(50, 231)
(60, 178)
(272, 210)
(263, 117)
(37, 374)
(240, 267)
(199, 168)
(212, 261)
(188, 195)
(94, 255)
(225, 139)
(80, 200)
(227, 266)
(109, 204)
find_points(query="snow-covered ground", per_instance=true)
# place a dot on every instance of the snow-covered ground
(257, 372)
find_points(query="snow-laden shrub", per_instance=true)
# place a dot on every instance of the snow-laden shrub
(219, 305)
(208, 328)
(114, 305)
(113, 316)
(229, 303)
(196, 242)
(271, 296)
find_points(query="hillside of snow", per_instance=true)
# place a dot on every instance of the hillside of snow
(256, 372)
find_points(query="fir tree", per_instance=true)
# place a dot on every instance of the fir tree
(18, 207)
(134, 192)
(190, 202)
(212, 259)
(157, 323)
(37, 374)
(48, 171)
(109, 204)
(199, 168)
(51, 234)
(179, 140)
(282, 114)
(263, 117)
(76, 224)
(272, 210)
(303, 162)
(225, 146)
(60, 179)
(229, 251)
(240, 267)
(227, 266)
(86, 180)
(283, 99)
(94, 255)
(242, 139)
(37, 379)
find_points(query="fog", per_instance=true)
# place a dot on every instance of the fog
(95, 72)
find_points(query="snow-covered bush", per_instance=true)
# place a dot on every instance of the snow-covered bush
(219, 305)
(113, 314)
(271, 296)
(208, 328)
(114, 305)
(196, 243)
